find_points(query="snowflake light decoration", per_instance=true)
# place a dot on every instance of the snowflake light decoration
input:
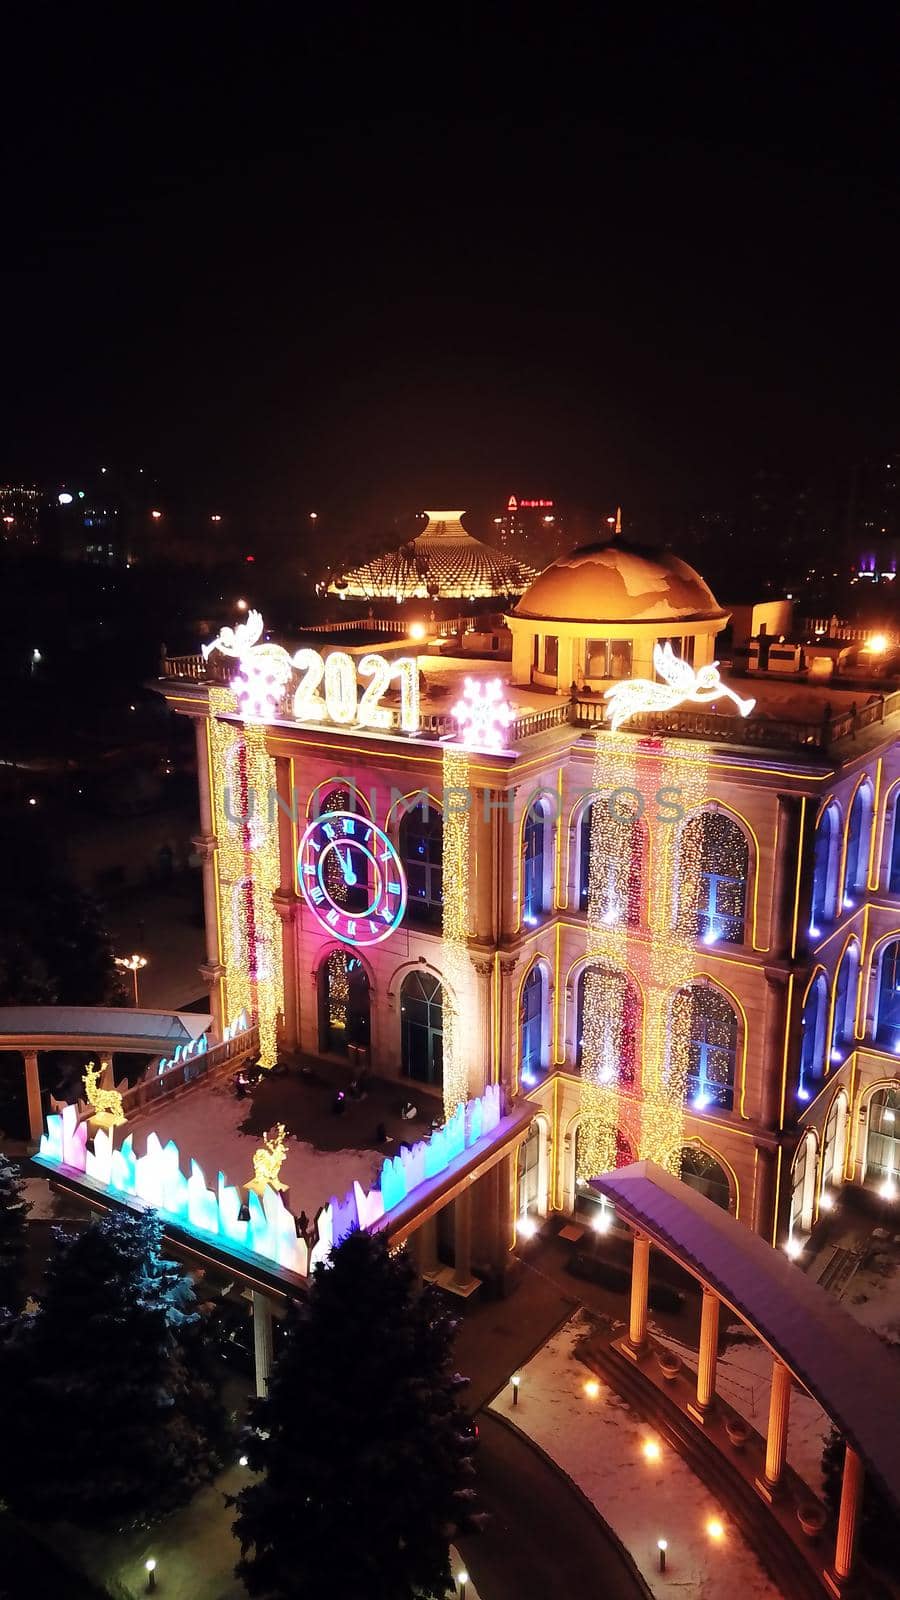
(483, 715)
(259, 685)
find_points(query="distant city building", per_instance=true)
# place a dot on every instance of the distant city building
(531, 529)
(443, 562)
(20, 512)
(873, 519)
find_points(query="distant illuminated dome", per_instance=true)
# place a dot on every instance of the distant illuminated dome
(619, 581)
(443, 562)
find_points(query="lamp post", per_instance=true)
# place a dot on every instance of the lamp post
(462, 1578)
(150, 1569)
(134, 965)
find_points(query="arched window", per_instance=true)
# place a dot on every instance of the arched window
(834, 1143)
(713, 866)
(813, 1026)
(704, 1036)
(587, 1200)
(532, 1023)
(422, 1027)
(528, 1180)
(803, 1185)
(617, 844)
(422, 854)
(533, 864)
(355, 896)
(859, 830)
(887, 1027)
(702, 1172)
(844, 1003)
(608, 1017)
(826, 865)
(883, 1140)
(344, 1005)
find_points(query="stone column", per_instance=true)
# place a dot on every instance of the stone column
(262, 1340)
(33, 1096)
(775, 1020)
(506, 1177)
(777, 1431)
(485, 976)
(286, 906)
(424, 1249)
(708, 1354)
(763, 1217)
(462, 1239)
(509, 1023)
(849, 1514)
(784, 870)
(640, 1284)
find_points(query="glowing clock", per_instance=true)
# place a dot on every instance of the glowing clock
(351, 877)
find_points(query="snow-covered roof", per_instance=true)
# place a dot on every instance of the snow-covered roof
(619, 581)
(842, 1364)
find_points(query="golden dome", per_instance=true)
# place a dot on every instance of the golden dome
(619, 581)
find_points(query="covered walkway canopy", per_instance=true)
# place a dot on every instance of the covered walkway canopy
(104, 1029)
(846, 1368)
(99, 1028)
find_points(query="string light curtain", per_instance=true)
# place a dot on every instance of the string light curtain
(455, 925)
(640, 780)
(248, 869)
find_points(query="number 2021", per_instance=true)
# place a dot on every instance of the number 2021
(341, 702)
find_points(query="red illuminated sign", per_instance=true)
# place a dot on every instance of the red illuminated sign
(513, 504)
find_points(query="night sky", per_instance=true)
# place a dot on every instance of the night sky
(370, 263)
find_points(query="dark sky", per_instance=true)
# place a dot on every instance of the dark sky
(390, 258)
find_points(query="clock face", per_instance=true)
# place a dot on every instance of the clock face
(351, 877)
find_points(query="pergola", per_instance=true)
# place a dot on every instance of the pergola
(811, 1337)
(100, 1029)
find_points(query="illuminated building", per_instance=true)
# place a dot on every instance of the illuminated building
(443, 562)
(20, 513)
(531, 528)
(704, 970)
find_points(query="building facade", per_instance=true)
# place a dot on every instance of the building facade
(667, 915)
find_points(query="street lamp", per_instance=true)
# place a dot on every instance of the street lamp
(462, 1578)
(134, 965)
(150, 1569)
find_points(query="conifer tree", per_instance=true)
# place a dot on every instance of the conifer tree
(363, 1455)
(104, 1420)
(14, 1209)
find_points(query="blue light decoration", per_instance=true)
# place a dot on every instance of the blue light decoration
(183, 1052)
(367, 862)
(257, 1225)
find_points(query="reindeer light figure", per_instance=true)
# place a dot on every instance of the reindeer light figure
(105, 1103)
(680, 682)
(269, 1159)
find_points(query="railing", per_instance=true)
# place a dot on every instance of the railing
(156, 1086)
(771, 733)
(531, 722)
(829, 628)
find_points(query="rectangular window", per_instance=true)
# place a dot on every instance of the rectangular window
(620, 658)
(551, 654)
(596, 658)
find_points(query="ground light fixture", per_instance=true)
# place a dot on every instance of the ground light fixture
(526, 1227)
(662, 1546)
(591, 1388)
(150, 1569)
(515, 1380)
(715, 1527)
(600, 1220)
(793, 1248)
(651, 1450)
(242, 1461)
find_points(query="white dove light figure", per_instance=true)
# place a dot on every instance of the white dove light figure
(483, 715)
(681, 682)
(264, 670)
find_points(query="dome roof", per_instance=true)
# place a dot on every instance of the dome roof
(443, 561)
(619, 581)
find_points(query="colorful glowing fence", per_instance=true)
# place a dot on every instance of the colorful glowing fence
(260, 1225)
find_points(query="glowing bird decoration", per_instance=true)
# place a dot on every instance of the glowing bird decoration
(483, 715)
(236, 641)
(264, 668)
(680, 683)
(269, 1159)
(105, 1103)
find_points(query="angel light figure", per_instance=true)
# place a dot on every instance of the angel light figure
(680, 682)
(264, 668)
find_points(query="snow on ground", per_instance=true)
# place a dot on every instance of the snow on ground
(744, 1380)
(597, 1441)
(873, 1293)
(205, 1127)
